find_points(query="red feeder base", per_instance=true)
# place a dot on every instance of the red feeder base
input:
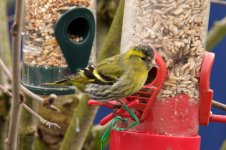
(145, 141)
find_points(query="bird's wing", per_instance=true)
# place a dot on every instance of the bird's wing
(106, 72)
(110, 69)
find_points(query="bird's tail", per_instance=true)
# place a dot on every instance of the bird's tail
(63, 82)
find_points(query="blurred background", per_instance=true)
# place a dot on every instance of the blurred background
(214, 135)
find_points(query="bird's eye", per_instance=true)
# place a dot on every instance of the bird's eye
(143, 58)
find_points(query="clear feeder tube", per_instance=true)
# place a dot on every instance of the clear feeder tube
(177, 30)
(43, 60)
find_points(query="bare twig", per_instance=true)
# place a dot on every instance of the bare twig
(5, 69)
(4, 90)
(219, 2)
(218, 105)
(41, 119)
(27, 92)
(16, 45)
(46, 102)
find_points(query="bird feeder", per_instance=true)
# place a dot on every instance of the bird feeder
(170, 108)
(57, 41)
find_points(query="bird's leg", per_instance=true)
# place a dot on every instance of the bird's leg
(132, 114)
(120, 102)
(116, 107)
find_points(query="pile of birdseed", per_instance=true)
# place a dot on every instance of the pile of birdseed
(177, 29)
(40, 46)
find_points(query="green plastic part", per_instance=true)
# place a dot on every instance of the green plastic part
(76, 22)
(34, 76)
(114, 122)
(107, 132)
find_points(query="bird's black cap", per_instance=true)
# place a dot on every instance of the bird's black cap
(146, 50)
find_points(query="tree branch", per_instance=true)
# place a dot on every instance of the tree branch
(46, 102)
(41, 119)
(27, 127)
(93, 139)
(218, 105)
(216, 34)
(16, 46)
(79, 126)
(111, 44)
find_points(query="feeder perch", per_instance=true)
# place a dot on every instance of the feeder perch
(72, 34)
(206, 94)
(159, 127)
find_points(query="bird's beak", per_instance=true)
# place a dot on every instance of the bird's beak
(154, 64)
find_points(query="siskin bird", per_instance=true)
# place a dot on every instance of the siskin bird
(115, 77)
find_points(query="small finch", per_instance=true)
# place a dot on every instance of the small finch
(115, 77)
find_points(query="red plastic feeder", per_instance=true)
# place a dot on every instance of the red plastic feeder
(169, 124)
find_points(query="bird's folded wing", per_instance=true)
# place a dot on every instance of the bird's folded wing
(109, 70)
